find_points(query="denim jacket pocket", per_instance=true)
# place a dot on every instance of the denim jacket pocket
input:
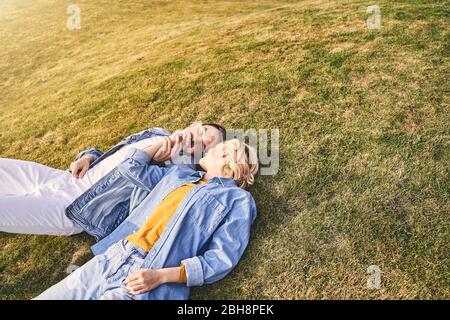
(207, 212)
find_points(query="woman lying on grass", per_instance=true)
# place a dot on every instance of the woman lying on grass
(191, 230)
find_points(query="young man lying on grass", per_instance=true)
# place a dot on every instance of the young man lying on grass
(191, 229)
(36, 199)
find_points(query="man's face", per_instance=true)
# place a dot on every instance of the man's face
(203, 138)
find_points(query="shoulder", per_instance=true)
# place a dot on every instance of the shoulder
(236, 200)
(181, 171)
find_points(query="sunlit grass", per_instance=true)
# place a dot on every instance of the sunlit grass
(363, 116)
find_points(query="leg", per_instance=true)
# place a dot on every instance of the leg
(36, 214)
(89, 281)
(23, 177)
(85, 283)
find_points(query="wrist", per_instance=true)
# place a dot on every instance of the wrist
(89, 158)
(169, 275)
(162, 276)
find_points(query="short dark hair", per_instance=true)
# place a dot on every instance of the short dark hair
(222, 130)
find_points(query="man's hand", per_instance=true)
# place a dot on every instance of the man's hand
(80, 166)
(144, 280)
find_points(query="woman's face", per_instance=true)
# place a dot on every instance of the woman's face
(217, 157)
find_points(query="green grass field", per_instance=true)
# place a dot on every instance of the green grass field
(363, 116)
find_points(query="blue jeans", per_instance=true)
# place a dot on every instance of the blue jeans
(101, 278)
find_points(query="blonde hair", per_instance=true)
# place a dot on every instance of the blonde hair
(244, 166)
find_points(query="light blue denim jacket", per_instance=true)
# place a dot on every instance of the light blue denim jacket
(106, 204)
(208, 232)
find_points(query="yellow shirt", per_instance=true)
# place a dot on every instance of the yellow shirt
(150, 232)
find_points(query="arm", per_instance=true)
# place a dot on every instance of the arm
(148, 279)
(94, 153)
(137, 168)
(83, 161)
(225, 249)
(151, 132)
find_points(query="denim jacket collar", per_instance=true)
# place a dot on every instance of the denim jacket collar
(225, 182)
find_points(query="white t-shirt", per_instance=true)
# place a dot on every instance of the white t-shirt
(109, 163)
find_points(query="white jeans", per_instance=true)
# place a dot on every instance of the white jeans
(33, 198)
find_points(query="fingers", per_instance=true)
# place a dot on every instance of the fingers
(138, 292)
(188, 140)
(157, 156)
(167, 150)
(178, 141)
(132, 277)
(79, 167)
(170, 146)
(177, 136)
(72, 168)
(167, 142)
(136, 287)
(163, 152)
(83, 171)
(178, 146)
(135, 283)
(75, 168)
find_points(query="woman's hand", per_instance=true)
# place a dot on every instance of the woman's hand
(148, 279)
(144, 280)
